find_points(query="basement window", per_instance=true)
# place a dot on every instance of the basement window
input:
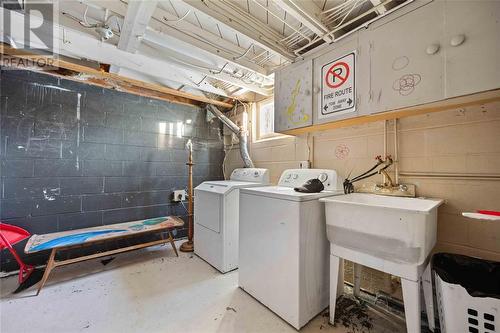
(264, 120)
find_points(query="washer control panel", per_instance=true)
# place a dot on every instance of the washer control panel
(257, 175)
(297, 177)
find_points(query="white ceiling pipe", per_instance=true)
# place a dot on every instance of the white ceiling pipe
(205, 40)
(249, 31)
(281, 20)
(343, 4)
(364, 25)
(304, 15)
(367, 13)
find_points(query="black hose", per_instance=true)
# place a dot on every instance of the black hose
(364, 173)
(348, 183)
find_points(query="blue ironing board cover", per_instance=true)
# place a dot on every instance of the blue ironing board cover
(81, 236)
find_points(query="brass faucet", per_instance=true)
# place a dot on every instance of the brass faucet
(388, 162)
(388, 187)
(390, 184)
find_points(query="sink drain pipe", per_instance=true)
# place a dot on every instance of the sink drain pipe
(242, 135)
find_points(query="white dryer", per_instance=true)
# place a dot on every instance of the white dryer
(216, 216)
(284, 251)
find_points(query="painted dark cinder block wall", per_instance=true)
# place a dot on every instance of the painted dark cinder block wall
(75, 155)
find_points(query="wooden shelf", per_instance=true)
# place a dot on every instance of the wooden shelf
(447, 104)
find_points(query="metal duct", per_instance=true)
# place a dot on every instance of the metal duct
(242, 135)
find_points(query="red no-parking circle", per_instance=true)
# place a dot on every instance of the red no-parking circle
(337, 75)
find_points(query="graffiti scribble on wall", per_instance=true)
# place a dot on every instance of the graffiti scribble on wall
(295, 117)
(406, 84)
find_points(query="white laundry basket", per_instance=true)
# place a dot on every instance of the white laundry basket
(459, 311)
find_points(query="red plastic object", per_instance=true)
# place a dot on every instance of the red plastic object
(10, 235)
(489, 212)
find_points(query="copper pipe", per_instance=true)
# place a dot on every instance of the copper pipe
(384, 179)
(446, 175)
(188, 246)
(396, 156)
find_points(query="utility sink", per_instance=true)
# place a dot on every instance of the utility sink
(394, 229)
(394, 235)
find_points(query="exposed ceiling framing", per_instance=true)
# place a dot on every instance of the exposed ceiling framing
(217, 47)
(109, 80)
(135, 23)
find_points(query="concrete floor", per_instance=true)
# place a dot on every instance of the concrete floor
(149, 290)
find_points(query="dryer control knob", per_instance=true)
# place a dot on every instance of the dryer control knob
(256, 174)
(323, 177)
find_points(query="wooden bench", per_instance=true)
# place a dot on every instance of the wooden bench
(65, 240)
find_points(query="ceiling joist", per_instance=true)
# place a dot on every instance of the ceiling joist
(162, 40)
(238, 24)
(380, 9)
(207, 41)
(306, 13)
(110, 80)
(135, 23)
(85, 46)
(162, 35)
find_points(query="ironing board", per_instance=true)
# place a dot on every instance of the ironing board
(11, 235)
(61, 241)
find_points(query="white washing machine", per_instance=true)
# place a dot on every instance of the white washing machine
(284, 251)
(216, 216)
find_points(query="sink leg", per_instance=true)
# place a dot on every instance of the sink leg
(336, 283)
(340, 278)
(411, 299)
(357, 279)
(428, 296)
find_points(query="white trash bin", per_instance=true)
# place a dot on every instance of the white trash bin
(468, 293)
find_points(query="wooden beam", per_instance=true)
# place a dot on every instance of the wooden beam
(117, 80)
(136, 21)
(447, 104)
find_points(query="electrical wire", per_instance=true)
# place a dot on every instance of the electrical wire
(179, 19)
(116, 21)
(182, 203)
(244, 54)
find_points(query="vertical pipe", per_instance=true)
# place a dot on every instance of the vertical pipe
(385, 147)
(242, 135)
(396, 158)
(188, 246)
